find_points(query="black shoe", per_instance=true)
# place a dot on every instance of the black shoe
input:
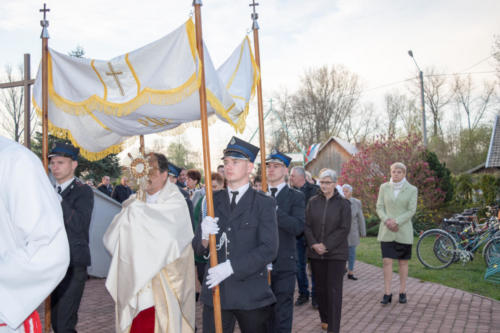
(402, 298)
(314, 303)
(387, 299)
(301, 300)
(351, 277)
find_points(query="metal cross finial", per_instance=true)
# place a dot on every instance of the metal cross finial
(44, 10)
(254, 15)
(44, 23)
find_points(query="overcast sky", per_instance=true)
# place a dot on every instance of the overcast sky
(370, 38)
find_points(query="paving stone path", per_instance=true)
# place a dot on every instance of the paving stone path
(431, 308)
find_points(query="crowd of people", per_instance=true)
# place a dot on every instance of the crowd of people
(265, 238)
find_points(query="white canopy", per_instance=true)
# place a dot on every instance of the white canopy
(97, 104)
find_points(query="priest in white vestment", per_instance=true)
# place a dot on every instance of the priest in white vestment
(151, 277)
(34, 250)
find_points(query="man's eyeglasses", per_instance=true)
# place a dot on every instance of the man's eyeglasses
(325, 183)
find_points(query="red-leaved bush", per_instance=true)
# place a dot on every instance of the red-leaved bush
(370, 168)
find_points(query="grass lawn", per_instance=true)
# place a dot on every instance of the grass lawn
(468, 277)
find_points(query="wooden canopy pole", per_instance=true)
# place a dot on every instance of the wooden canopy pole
(206, 160)
(45, 120)
(27, 101)
(255, 28)
(141, 145)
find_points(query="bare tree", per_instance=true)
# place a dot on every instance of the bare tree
(361, 124)
(496, 53)
(474, 107)
(402, 114)
(322, 104)
(12, 105)
(394, 104)
(437, 94)
(282, 136)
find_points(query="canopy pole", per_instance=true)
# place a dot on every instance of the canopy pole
(27, 101)
(206, 161)
(263, 175)
(45, 120)
(255, 28)
(141, 143)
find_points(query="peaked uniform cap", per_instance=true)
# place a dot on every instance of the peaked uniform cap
(278, 157)
(237, 148)
(174, 170)
(66, 150)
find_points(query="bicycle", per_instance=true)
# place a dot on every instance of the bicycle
(438, 249)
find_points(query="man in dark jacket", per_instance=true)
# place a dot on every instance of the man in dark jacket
(122, 191)
(247, 238)
(173, 175)
(105, 186)
(291, 216)
(298, 181)
(77, 201)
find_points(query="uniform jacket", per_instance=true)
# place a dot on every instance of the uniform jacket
(328, 222)
(291, 219)
(358, 225)
(401, 208)
(77, 205)
(252, 243)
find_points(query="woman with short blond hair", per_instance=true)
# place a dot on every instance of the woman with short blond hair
(396, 205)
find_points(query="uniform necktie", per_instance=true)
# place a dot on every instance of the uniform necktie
(273, 191)
(59, 189)
(233, 199)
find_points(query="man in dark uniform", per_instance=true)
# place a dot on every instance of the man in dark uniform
(298, 181)
(173, 175)
(77, 201)
(122, 191)
(247, 238)
(291, 218)
(105, 186)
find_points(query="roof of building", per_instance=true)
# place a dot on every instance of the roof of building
(348, 147)
(493, 157)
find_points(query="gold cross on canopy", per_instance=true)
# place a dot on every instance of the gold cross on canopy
(115, 76)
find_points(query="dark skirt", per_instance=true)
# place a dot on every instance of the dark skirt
(395, 250)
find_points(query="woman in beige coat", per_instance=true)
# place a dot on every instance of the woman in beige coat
(396, 205)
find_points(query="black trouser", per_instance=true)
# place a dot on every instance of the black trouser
(65, 300)
(283, 286)
(249, 321)
(328, 280)
(200, 270)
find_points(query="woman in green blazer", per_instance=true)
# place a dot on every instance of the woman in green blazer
(396, 205)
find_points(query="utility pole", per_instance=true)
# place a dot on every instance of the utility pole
(421, 76)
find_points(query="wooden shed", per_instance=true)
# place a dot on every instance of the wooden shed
(332, 154)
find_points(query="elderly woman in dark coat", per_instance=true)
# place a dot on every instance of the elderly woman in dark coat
(328, 220)
(358, 229)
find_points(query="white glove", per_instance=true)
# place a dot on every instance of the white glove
(269, 266)
(219, 273)
(209, 227)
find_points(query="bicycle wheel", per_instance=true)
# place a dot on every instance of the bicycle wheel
(436, 249)
(491, 251)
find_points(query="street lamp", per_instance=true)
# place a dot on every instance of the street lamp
(421, 75)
